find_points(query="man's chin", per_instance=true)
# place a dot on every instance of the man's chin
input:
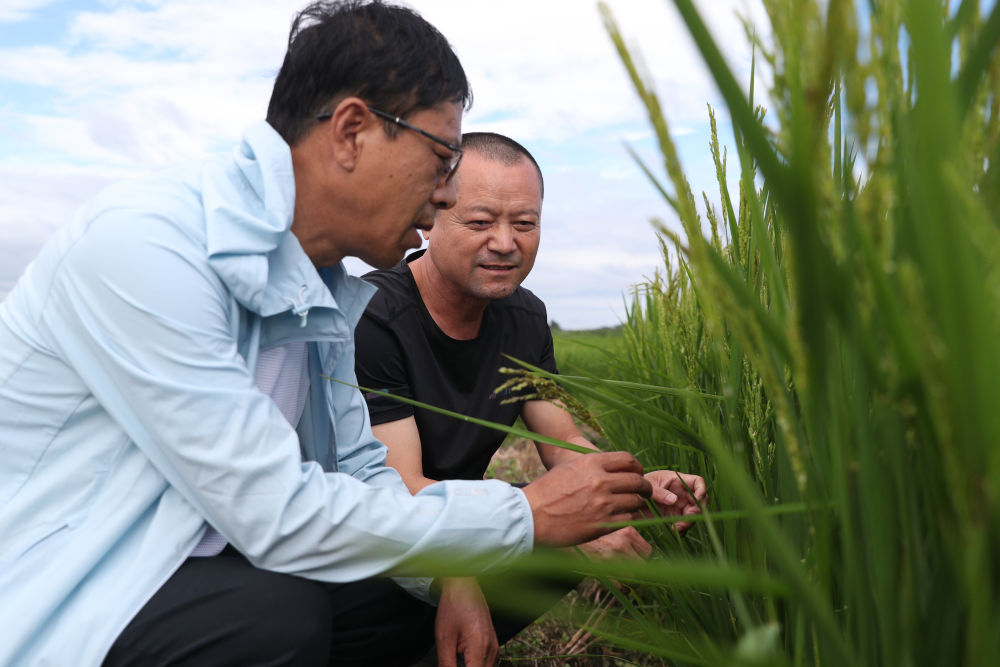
(493, 292)
(385, 263)
(385, 260)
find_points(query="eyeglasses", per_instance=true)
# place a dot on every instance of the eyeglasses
(449, 166)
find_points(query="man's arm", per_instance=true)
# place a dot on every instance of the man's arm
(553, 421)
(164, 364)
(462, 625)
(402, 439)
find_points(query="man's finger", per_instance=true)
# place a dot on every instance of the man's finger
(475, 655)
(446, 639)
(696, 484)
(664, 496)
(640, 547)
(447, 658)
(700, 489)
(492, 652)
(631, 503)
(617, 462)
(447, 652)
(629, 483)
(645, 549)
(622, 517)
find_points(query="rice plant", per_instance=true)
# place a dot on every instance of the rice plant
(823, 346)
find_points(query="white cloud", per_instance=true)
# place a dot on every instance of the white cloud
(553, 66)
(12, 11)
(37, 199)
(136, 85)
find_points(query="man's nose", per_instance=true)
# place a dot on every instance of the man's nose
(445, 195)
(501, 239)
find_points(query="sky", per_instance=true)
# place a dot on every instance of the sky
(96, 91)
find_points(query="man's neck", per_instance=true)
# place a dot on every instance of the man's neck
(314, 216)
(458, 315)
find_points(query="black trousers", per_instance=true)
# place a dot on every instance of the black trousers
(223, 611)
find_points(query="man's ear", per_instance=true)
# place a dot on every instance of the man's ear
(350, 118)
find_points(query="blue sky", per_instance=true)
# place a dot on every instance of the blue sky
(99, 90)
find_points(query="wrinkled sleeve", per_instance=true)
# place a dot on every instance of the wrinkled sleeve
(138, 313)
(359, 454)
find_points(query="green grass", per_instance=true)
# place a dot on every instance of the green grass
(590, 352)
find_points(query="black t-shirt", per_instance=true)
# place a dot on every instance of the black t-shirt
(400, 349)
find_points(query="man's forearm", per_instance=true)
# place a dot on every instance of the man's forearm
(416, 483)
(552, 456)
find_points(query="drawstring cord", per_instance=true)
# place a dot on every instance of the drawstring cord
(299, 307)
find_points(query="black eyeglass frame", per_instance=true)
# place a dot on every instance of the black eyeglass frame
(454, 148)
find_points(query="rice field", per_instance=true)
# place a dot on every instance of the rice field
(593, 352)
(821, 345)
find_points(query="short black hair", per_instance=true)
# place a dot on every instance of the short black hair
(385, 54)
(498, 148)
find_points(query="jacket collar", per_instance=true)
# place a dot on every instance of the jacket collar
(249, 201)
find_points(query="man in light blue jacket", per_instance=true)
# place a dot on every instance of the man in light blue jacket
(180, 480)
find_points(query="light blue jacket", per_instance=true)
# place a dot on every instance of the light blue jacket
(129, 416)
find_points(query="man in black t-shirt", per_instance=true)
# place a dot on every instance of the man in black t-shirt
(437, 331)
(405, 352)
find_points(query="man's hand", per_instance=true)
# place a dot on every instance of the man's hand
(570, 502)
(624, 542)
(673, 499)
(463, 625)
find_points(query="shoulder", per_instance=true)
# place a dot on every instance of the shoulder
(523, 304)
(171, 193)
(158, 215)
(523, 317)
(395, 296)
(162, 210)
(526, 335)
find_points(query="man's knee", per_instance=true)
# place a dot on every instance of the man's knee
(224, 611)
(290, 621)
(375, 622)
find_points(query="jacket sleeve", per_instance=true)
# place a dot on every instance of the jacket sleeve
(138, 313)
(358, 453)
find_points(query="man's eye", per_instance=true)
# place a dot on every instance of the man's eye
(525, 225)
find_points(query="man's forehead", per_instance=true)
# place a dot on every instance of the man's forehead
(445, 118)
(479, 169)
(495, 208)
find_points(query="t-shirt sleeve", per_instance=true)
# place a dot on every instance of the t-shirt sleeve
(547, 358)
(379, 364)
